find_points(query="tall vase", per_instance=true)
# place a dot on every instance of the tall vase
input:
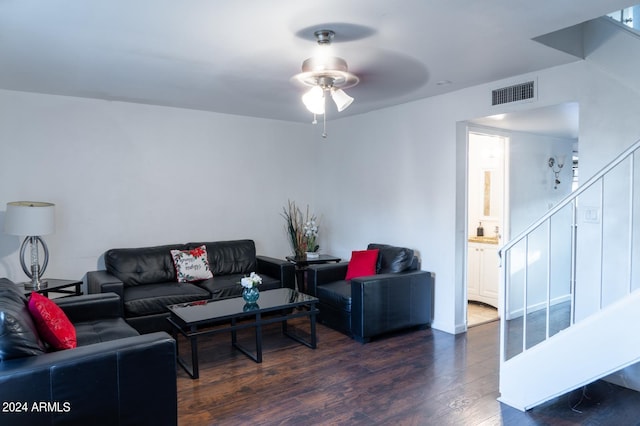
(250, 295)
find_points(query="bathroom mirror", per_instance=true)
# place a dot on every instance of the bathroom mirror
(486, 205)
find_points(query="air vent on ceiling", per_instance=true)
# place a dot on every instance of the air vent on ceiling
(515, 93)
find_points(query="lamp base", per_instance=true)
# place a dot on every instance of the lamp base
(29, 285)
(36, 270)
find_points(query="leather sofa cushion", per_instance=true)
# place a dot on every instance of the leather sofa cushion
(18, 334)
(11, 292)
(147, 265)
(152, 299)
(335, 305)
(150, 265)
(103, 330)
(336, 294)
(230, 257)
(335, 318)
(229, 285)
(393, 259)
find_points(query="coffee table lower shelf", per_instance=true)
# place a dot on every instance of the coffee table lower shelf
(250, 319)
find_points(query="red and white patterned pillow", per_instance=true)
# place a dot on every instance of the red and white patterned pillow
(191, 265)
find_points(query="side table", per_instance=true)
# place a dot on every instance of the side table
(54, 285)
(301, 265)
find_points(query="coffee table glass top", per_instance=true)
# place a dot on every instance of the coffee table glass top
(207, 310)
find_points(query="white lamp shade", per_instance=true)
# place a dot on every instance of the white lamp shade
(314, 100)
(341, 99)
(29, 218)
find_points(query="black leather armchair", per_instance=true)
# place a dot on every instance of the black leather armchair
(399, 296)
(115, 376)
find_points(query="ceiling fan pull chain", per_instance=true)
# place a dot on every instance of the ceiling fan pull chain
(324, 122)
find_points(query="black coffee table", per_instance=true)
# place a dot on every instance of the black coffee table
(208, 317)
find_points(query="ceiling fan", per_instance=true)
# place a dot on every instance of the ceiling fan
(326, 75)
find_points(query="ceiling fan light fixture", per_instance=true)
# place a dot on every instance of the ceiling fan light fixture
(325, 74)
(320, 71)
(341, 99)
(314, 100)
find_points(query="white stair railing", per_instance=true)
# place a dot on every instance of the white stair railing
(629, 17)
(539, 267)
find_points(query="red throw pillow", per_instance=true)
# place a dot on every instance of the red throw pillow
(362, 263)
(52, 323)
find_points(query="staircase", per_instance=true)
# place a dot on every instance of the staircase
(571, 289)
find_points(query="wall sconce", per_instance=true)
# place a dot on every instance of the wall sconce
(556, 164)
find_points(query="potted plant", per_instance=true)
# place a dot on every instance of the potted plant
(302, 231)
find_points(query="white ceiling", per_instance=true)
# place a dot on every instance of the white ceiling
(238, 57)
(557, 120)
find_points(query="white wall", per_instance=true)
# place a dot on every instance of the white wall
(132, 175)
(532, 191)
(532, 194)
(394, 175)
(611, 125)
(399, 171)
(125, 175)
(389, 177)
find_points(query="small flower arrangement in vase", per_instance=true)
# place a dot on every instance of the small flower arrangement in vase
(250, 292)
(311, 234)
(302, 231)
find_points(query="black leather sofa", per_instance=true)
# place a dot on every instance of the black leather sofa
(397, 297)
(145, 278)
(114, 377)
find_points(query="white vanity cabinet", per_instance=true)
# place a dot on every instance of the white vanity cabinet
(483, 273)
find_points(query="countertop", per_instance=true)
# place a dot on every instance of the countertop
(484, 240)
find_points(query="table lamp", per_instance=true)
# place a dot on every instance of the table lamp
(32, 219)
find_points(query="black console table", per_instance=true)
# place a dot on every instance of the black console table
(301, 265)
(55, 285)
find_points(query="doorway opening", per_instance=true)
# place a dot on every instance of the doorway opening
(533, 137)
(486, 216)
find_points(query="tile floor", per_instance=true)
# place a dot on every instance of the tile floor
(480, 313)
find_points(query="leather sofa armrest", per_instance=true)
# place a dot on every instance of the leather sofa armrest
(388, 302)
(325, 273)
(277, 268)
(91, 307)
(136, 377)
(104, 282)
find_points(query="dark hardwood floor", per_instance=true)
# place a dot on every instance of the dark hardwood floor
(424, 377)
